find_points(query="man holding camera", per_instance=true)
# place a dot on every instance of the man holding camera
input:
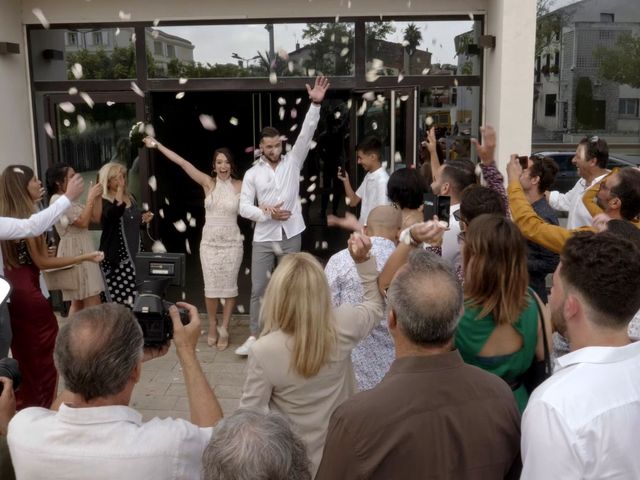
(94, 434)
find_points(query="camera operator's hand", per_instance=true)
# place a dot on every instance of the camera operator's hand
(185, 337)
(149, 353)
(7, 404)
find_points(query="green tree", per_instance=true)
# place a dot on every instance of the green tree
(101, 65)
(412, 37)
(176, 68)
(584, 103)
(621, 63)
(548, 25)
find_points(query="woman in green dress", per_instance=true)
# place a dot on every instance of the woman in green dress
(500, 328)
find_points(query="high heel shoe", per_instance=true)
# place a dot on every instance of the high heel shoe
(213, 341)
(223, 338)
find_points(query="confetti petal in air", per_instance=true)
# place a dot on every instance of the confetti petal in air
(349, 103)
(455, 82)
(247, 271)
(293, 127)
(136, 89)
(345, 39)
(180, 226)
(166, 201)
(325, 245)
(73, 91)
(41, 18)
(233, 121)
(347, 201)
(344, 52)
(153, 183)
(298, 100)
(109, 103)
(313, 178)
(192, 222)
(184, 296)
(287, 147)
(117, 31)
(372, 75)
(317, 244)
(303, 201)
(312, 197)
(66, 122)
(240, 309)
(404, 98)
(207, 121)
(156, 22)
(331, 197)
(161, 212)
(273, 78)
(158, 247)
(87, 99)
(470, 16)
(282, 101)
(374, 125)
(397, 157)
(145, 206)
(76, 71)
(313, 144)
(425, 71)
(283, 54)
(49, 130)
(82, 125)
(311, 187)
(179, 95)
(155, 33)
(281, 113)
(187, 246)
(294, 113)
(400, 77)
(312, 72)
(277, 249)
(362, 109)
(67, 107)
(124, 16)
(182, 80)
(428, 121)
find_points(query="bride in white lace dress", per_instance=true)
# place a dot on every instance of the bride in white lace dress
(221, 245)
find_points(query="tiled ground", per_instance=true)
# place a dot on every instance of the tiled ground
(161, 391)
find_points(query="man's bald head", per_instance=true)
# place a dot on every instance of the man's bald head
(384, 221)
(98, 349)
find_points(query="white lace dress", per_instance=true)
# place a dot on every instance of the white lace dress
(221, 245)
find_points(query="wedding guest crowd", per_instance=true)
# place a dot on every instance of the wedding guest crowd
(427, 348)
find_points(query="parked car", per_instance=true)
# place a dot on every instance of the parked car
(568, 174)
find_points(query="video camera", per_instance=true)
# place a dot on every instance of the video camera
(154, 273)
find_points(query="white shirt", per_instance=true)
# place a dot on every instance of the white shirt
(583, 422)
(372, 192)
(450, 246)
(271, 187)
(571, 202)
(36, 224)
(104, 443)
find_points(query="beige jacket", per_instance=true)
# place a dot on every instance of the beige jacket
(309, 402)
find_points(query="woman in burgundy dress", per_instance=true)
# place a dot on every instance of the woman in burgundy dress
(32, 320)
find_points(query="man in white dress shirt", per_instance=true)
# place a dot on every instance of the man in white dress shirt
(583, 421)
(95, 434)
(274, 183)
(372, 192)
(592, 155)
(36, 224)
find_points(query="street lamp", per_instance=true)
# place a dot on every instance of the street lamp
(243, 59)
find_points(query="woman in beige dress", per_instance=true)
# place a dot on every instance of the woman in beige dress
(301, 364)
(221, 247)
(75, 239)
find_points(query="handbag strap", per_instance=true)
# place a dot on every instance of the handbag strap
(541, 311)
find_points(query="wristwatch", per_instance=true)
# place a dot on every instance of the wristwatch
(407, 238)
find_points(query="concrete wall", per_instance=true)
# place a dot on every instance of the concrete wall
(16, 138)
(507, 94)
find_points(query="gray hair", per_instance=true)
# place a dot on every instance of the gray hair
(426, 298)
(253, 445)
(98, 349)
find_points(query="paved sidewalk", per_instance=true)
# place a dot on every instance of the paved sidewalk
(161, 391)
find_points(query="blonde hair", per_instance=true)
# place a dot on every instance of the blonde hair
(108, 172)
(298, 302)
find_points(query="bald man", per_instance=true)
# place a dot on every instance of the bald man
(373, 355)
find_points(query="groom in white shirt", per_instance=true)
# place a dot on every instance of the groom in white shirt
(274, 183)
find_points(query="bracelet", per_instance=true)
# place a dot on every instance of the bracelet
(407, 238)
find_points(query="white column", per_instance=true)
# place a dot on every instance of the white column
(508, 78)
(16, 139)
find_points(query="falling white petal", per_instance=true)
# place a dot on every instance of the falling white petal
(66, 122)
(87, 99)
(117, 31)
(313, 144)
(153, 183)
(429, 121)
(109, 103)
(347, 201)
(166, 201)
(331, 197)
(192, 222)
(49, 130)
(155, 33)
(400, 77)
(180, 226)
(76, 71)
(311, 187)
(397, 157)
(313, 178)
(145, 206)
(277, 249)
(405, 43)
(455, 82)
(179, 95)
(124, 16)
(425, 71)
(344, 52)
(273, 78)
(233, 121)
(282, 53)
(372, 75)
(158, 247)
(404, 98)
(247, 271)
(18, 170)
(303, 201)
(187, 246)
(207, 121)
(41, 18)
(470, 16)
(281, 113)
(188, 216)
(325, 245)
(293, 127)
(282, 101)
(161, 212)
(337, 114)
(349, 4)
(290, 66)
(312, 72)
(312, 197)
(156, 22)
(371, 96)
(349, 103)
(73, 91)
(294, 113)
(374, 125)
(182, 80)
(82, 125)
(136, 89)
(240, 309)
(362, 109)
(133, 38)
(67, 107)
(298, 100)
(317, 244)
